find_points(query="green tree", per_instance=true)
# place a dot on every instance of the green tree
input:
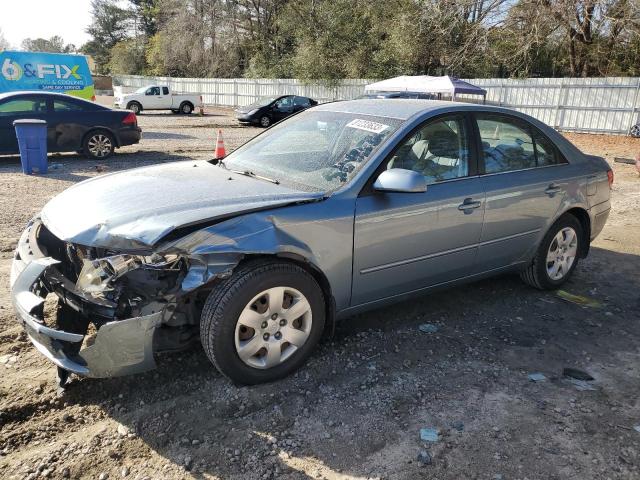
(146, 15)
(54, 44)
(127, 57)
(111, 24)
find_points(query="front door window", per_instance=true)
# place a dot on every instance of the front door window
(439, 151)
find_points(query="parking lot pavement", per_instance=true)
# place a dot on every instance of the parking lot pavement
(356, 409)
(167, 132)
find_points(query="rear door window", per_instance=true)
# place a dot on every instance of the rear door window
(510, 144)
(507, 144)
(60, 106)
(301, 102)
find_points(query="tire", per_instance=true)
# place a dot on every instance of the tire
(635, 131)
(186, 108)
(265, 121)
(540, 273)
(224, 335)
(135, 107)
(98, 145)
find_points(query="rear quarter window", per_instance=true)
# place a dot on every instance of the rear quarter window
(546, 151)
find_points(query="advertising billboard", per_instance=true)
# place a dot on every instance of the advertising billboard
(53, 72)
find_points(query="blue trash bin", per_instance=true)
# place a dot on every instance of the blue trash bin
(32, 141)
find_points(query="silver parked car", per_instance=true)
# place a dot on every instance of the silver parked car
(342, 208)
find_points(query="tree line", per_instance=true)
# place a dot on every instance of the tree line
(335, 39)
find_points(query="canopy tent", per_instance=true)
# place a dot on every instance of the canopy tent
(426, 84)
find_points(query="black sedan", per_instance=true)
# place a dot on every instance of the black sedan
(269, 110)
(73, 124)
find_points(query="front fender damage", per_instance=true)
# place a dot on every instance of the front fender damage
(214, 252)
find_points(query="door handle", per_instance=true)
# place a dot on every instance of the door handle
(552, 189)
(469, 205)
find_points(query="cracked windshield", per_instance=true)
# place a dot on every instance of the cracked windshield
(314, 151)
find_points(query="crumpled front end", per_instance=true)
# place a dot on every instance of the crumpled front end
(103, 329)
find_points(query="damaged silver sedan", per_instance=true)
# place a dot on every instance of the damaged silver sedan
(339, 209)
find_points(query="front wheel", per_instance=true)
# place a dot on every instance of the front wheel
(98, 145)
(135, 107)
(265, 121)
(263, 322)
(557, 255)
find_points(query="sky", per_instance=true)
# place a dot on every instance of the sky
(22, 19)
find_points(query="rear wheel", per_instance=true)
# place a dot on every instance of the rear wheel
(557, 255)
(186, 108)
(262, 323)
(98, 145)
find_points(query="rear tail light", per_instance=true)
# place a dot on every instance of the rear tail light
(610, 178)
(93, 98)
(130, 119)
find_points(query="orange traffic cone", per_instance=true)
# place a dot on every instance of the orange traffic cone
(220, 152)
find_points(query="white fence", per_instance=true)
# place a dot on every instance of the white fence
(594, 105)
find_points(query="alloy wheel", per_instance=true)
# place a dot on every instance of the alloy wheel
(100, 145)
(562, 253)
(272, 326)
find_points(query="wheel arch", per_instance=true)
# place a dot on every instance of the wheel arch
(585, 222)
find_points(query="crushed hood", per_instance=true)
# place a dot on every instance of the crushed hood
(135, 208)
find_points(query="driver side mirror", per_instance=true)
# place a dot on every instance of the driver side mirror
(400, 180)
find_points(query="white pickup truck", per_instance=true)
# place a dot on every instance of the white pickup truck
(158, 97)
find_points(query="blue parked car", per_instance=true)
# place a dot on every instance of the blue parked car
(345, 207)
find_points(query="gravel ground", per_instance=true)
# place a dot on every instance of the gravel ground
(356, 409)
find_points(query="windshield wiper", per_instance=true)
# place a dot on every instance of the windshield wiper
(249, 173)
(246, 173)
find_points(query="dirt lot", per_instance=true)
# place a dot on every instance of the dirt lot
(356, 410)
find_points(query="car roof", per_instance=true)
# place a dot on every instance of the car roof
(404, 109)
(39, 92)
(401, 109)
(52, 95)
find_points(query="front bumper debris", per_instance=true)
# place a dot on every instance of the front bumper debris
(121, 347)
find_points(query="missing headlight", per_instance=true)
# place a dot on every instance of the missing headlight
(98, 276)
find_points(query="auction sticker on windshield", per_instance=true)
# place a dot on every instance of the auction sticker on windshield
(367, 125)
